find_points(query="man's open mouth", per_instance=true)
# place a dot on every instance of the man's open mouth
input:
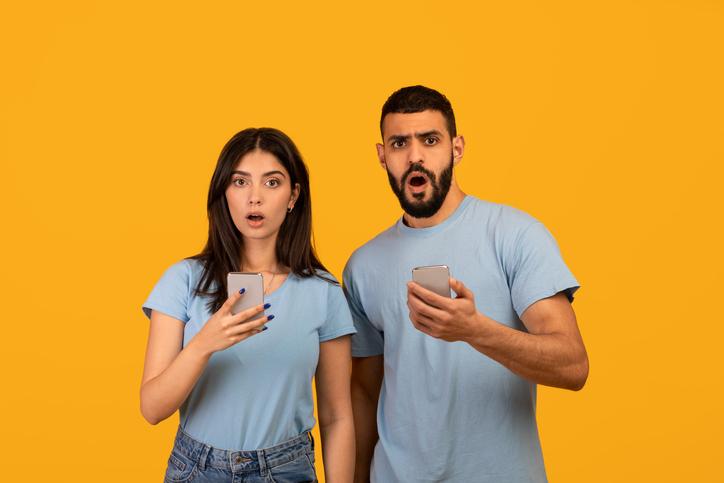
(417, 180)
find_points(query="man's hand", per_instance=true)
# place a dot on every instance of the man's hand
(441, 317)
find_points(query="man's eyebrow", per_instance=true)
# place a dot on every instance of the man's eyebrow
(398, 137)
(427, 134)
(420, 135)
(268, 173)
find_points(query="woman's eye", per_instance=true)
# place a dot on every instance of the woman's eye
(238, 182)
(273, 183)
(431, 141)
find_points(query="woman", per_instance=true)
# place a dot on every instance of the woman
(244, 392)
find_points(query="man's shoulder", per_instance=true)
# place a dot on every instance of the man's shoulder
(501, 217)
(369, 251)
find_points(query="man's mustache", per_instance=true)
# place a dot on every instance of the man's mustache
(417, 168)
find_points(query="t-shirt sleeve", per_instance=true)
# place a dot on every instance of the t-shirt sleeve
(338, 320)
(537, 270)
(368, 341)
(171, 293)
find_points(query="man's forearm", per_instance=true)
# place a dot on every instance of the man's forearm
(365, 424)
(548, 359)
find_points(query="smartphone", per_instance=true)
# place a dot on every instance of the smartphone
(435, 278)
(253, 295)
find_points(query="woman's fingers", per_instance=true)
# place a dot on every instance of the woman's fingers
(233, 298)
(248, 313)
(252, 327)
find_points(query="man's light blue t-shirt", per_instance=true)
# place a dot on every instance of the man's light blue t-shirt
(257, 393)
(448, 413)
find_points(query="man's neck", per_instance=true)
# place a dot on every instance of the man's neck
(453, 199)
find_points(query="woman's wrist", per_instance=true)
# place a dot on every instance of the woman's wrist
(195, 349)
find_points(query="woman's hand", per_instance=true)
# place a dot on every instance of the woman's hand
(225, 329)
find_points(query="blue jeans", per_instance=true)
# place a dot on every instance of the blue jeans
(289, 462)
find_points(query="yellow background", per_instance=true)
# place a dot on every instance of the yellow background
(602, 119)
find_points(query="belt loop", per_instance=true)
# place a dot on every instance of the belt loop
(204, 455)
(263, 469)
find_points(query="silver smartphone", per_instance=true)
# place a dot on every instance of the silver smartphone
(253, 283)
(435, 278)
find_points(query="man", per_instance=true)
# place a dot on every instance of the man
(444, 389)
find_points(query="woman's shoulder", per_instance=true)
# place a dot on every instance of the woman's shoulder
(187, 270)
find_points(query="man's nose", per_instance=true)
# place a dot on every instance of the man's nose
(415, 153)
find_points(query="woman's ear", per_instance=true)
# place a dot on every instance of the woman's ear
(295, 196)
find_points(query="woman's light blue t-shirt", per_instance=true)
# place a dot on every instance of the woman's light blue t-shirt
(257, 393)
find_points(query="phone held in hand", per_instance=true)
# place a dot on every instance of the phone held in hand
(253, 283)
(435, 278)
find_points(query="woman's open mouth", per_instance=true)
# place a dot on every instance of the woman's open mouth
(255, 219)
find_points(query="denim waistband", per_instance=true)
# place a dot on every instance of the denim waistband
(242, 461)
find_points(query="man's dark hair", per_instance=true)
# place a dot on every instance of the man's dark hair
(417, 99)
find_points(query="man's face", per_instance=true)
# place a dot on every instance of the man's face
(418, 155)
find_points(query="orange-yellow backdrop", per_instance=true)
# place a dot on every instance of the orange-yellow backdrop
(602, 119)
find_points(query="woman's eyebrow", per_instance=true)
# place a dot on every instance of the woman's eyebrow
(269, 173)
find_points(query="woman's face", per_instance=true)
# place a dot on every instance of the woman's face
(259, 195)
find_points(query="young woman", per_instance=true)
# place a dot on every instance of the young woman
(244, 392)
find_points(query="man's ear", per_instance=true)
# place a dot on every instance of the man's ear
(381, 155)
(458, 145)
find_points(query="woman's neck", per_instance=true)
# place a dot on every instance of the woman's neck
(259, 256)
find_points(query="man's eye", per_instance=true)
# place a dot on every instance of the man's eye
(398, 143)
(431, 141)
(273, 183)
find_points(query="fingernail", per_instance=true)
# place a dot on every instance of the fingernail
(270, 317)
(266, 306)
(265, 328)
(242, 290)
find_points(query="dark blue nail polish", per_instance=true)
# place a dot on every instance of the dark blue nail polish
(270, 317)
(242, 290)
(266, 306)
(265, 328)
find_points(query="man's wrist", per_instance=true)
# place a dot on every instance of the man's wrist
(481, 330)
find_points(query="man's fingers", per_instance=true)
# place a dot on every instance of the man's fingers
(418, 305)
(460, 289)
(427, 296)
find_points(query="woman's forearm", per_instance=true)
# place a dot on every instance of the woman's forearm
(164, 394)
(338, 449)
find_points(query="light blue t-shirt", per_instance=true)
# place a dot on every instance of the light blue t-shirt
(448, 413)
(257, 393)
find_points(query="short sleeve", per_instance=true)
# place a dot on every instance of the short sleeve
(338, 321)
(368, 341)
(537, 270)
(171, 293)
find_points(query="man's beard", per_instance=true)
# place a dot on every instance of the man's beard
(423, 209)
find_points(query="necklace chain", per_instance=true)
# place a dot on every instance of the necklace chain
(266, 290)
